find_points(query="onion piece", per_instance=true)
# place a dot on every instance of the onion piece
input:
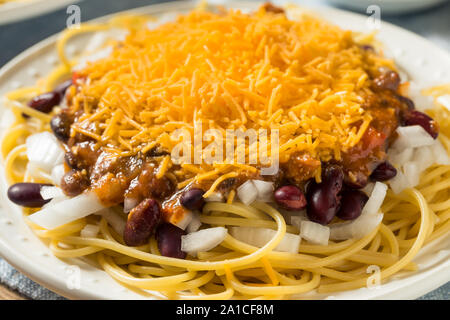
(376, 199)
(399, 157)
(247, 192)
(296, 220)
(355, 229)
(182, 222)
(423, 157)
(195, 223)
(51, 192)
(265, 190)
(216, 196)
(44, 151)
(440, 153)
(67, 211)
(368, 188)
(412, 137)
(90, 231)
(129, 203)
(116, 221)
(314, 232)
(203, 240)
(258, 237)
(444, 100)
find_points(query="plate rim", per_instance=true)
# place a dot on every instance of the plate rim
(55, 284)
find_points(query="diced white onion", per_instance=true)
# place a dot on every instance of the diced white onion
(57, 174)
(314, 232)
(399, 157)
(440, 153)
(98, 55)
(265, 190)
(423, 157)
(90, 231)
(67, 211)
(195, 223)
(258, 237)
(184, 221)
(216, 196)
(44, 151)
(412, 173)
(412, 137)
(368, 188)
(203, 240)
(444, 100)
(116, 220)
(376, 199)
(50, 192)
(247, 192)
(421, 101)
(129, 203)
(355, 229)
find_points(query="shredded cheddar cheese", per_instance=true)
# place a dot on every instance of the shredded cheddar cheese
(229, 70)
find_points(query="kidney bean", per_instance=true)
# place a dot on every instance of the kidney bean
(414, 117)
(74, 182)
(352, 203)
(389, 80)
(60, 125)
(323, 199)
(192, 199)
(367, 47)
(142, 222)
(27, 194)
(168, 237)
(384, 171)
(62, 88)
(290, 198)
(45, 102)
(407, 101)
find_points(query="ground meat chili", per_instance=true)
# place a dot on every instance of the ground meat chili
(114, 179)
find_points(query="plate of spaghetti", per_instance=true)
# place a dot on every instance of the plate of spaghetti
(15, 10)
(244, 151)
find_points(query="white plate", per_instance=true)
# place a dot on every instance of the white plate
(389, 6)
(23, 9)
(19, 246)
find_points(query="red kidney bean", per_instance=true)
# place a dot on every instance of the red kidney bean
(142, 222)
(388, 80)
(27, 194)
(45, 102)
(384, 171)
(323, 198)
(407, 101)
(192, 199)
(352, 203)
(290, 198)
(168, 237)
(60, 125)
(74, 182)
(414, 117)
